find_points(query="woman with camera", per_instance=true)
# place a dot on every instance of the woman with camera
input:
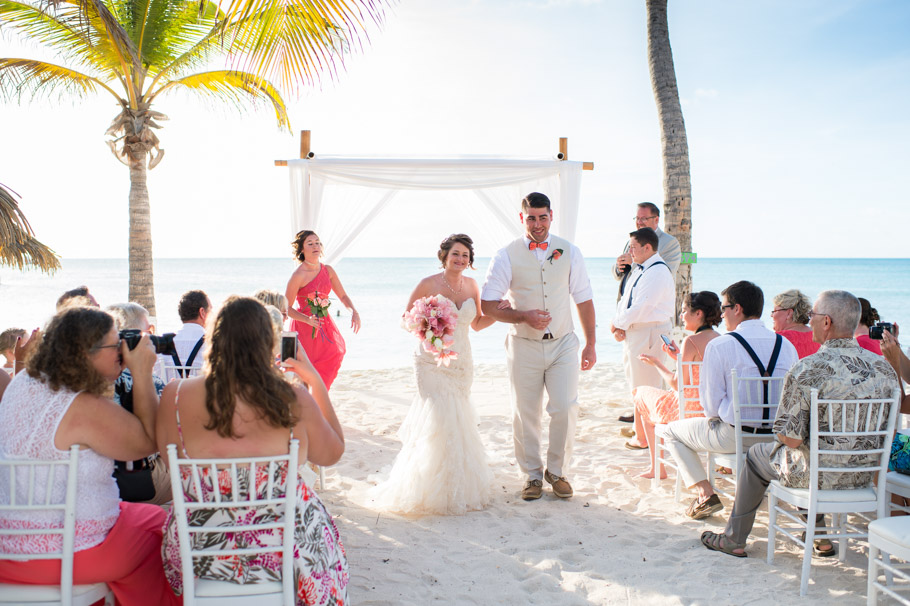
(63, 399)
(867, 319)
(241, 406)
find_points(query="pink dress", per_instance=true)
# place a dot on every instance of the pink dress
(659, 406)
(326, 348)
(802, 341)
(871, 344)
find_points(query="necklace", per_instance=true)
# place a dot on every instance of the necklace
(444, 281)
(702, 327)
(314, 265)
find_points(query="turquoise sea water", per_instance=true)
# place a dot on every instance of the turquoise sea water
(380, 290)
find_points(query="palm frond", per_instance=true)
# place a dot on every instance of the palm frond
(21, 76)
(18, 246)
(234, 87)
(62, 32)
(293, 42)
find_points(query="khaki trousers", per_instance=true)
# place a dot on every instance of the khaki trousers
(643, 339)
(535, 366)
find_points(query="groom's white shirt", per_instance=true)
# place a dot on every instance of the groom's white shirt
(499, 275)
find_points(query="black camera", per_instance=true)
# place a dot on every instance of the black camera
(875, 332)
(164, 344)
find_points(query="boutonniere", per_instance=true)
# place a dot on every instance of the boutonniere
(554, 256)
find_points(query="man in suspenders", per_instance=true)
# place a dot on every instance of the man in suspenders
(644, 310)
(753, 351)
(193, 309)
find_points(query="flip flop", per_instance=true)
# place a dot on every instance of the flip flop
(719, 542)
(632, 446)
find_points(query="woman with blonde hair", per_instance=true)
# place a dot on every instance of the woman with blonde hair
(790, 319)
(240, 407)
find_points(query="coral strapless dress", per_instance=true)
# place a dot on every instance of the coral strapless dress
(326, 348)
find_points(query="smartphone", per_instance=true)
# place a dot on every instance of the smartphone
(668, 342)
(289, 344)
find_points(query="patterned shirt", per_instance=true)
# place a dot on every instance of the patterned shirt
(841, 370)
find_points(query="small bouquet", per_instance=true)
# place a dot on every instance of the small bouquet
(319, 306)
(432, 320)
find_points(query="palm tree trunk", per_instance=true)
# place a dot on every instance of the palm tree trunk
(142, 286)
(675, 148)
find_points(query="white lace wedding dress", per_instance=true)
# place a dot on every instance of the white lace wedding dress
(442, 466)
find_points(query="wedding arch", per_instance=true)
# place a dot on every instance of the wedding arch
(339, 196)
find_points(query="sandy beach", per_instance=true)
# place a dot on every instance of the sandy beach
(616, 541)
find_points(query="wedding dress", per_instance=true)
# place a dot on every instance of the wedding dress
(442, 466)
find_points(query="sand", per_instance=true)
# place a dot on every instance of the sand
(616, 541)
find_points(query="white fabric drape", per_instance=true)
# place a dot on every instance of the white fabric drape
(338, 197)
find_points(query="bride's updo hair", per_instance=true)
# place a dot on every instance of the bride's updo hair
(446, 245)
(297, 243)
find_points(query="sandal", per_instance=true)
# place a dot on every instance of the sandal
(719, 542)
(705, 509)
(822, 548)
(632, 446)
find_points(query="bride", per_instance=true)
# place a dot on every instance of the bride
(442, 467)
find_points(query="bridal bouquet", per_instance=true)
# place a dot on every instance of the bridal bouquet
(432, 320)
(319, 306)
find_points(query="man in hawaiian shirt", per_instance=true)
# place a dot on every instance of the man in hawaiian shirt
(841, 370)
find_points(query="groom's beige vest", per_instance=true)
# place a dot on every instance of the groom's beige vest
(536, 286)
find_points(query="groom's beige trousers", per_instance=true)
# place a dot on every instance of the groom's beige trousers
(535, 366)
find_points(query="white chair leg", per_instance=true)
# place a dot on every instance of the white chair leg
(807, 554)
(655, 462)
(886, 558)
(871, 589)
(321, 478)
(841, 520)
(772, 520)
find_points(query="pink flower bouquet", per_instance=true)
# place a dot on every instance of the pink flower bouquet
(319, 306)
(432, 320)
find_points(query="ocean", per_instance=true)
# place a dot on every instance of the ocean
(380, 289)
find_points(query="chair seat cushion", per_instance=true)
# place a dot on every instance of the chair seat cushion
(895, 530)
(898, 483)
(23, 594)
(206, 588)
(824, 496)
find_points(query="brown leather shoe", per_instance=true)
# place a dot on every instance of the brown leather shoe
(561, 486)
(627, 432)
(532, 490)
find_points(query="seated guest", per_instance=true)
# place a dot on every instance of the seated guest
(144, 480)
(62, 400)
(867, 319)
(273, 298)
(790, 319)
(840, 370)
(242, 406)
(193, 309)
(4, 381)
(746, 342)
(891, 349)
(653, 406)
(79, 297)
(8, 340)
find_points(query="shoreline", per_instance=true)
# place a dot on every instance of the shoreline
(616, 541)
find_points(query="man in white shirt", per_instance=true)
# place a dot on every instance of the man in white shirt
(644, 310)
(668, 248)
(741, 305)
(539, 272)
(193, 309)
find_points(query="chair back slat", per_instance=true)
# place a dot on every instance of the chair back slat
(211, 494)
(683, 381)
(873, 418)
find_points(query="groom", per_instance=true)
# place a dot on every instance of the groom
(538, 272)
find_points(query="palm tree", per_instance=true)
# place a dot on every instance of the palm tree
(136, 50)
(675, 148)
(18, 246)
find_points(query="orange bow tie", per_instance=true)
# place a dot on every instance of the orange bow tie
(541, 245)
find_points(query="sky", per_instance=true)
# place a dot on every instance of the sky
(795, 114)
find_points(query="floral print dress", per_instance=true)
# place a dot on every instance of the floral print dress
(320, 565)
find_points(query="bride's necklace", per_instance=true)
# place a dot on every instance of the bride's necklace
(446, 282)
(308, 264)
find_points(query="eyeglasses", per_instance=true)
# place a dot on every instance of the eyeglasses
(724, 308)
(812, 314)
(643, 219)
(113, 346)
(774, 311)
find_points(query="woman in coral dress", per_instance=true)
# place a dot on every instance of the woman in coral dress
(790, 319)
(319, 336)
(654, 406)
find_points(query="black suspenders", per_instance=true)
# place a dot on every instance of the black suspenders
(778, 342)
